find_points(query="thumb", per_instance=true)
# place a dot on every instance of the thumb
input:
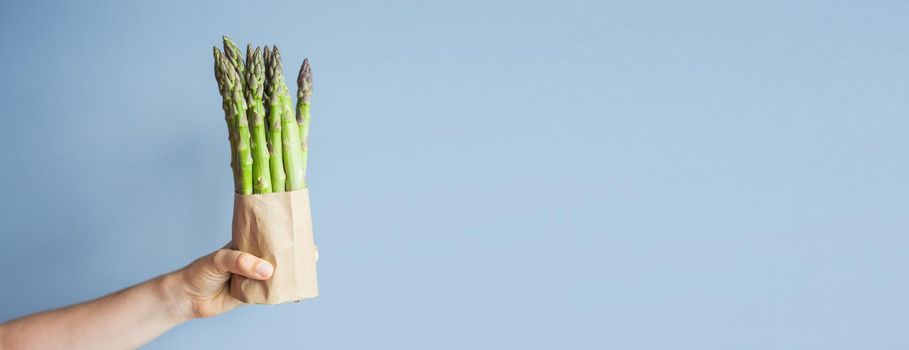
(241, 263)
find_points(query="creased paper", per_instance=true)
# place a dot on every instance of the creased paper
(276, 227)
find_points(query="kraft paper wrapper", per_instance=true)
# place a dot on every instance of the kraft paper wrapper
(276, 227)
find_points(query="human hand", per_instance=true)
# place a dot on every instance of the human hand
(201, 288)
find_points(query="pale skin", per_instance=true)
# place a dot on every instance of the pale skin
(129, 318)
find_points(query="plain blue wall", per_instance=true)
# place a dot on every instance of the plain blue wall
(575, 174)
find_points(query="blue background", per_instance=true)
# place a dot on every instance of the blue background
(580, 174)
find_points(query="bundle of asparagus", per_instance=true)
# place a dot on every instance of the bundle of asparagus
(268, 151)
(268, 142)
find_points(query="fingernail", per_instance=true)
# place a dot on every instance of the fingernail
(263, 269)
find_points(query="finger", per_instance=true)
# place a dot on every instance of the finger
(242, 263)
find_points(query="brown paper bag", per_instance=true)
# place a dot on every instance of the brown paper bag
(276, 227)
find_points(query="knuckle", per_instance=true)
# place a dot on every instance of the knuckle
(245, 261)
(220, 254)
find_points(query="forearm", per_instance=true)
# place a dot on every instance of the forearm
(133, 316)
(125, 319)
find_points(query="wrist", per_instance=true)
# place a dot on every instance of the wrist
(172, 297)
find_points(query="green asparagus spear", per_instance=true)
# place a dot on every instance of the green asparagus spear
(290, 131)
(237, 106)
(224, 89)
(255, 79)
(243, 149)
(304, 94)
(273, 114)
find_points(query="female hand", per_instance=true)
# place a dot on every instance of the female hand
(201, 289)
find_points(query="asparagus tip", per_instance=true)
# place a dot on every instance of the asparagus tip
(276, 60)
(304, 82)
(304, 79)
(233, 53)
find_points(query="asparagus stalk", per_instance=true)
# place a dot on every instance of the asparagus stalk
(237, 106)
(304, 94)
(243, 149)
(273, 115)
(255, 79)
(224, 89)
(290, 131)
